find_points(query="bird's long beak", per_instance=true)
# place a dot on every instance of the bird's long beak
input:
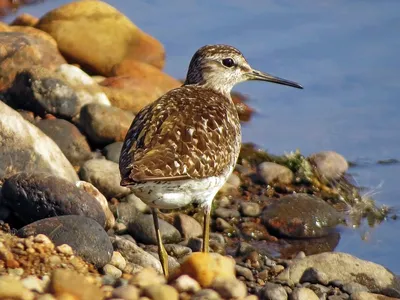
(258, 75)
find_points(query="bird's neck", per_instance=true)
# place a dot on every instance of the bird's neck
(220, 89)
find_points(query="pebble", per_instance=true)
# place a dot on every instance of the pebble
(118, 260)
(177, 250)
(187, 226)
(137, 203)
(229, 288)
(33, 283)
(250, 209)
(224, 226)
(127, 292)
(112, 271)
(206, 294)
(303, 294)
(273, 291)
(273, 173)
(369, 296)
(226, 213)
(65, 249)
(329, 165)
(105, 176)
(147, 277)
(312, 275)
(113, 151)
(354, 287)
(11, 288)
(245, 272)
(185, 283)
(160, 292)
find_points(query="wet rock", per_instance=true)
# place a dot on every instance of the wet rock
(127, 292)
(303, 294)
(250, 209)
(92, 190)
(329, 164)
(86, 89)
(229, 288)
(301, 215)
(105, 176)
(40, 91)
(68, 137)
(85, 30)
(27, 149)
(72, 283)
(272, 173)
(22, 51)
(134, 254)
(38, 195)
(224, 226)
(347, 268)
(105, 124)
(142, 230)
(113, 151)
(187, 226)
(206, 267)
(208, 294)
(12, 288)
(226, 213)
(185, 283)
(273, 291)
(161, 292)
(254, 230)
(84, 235)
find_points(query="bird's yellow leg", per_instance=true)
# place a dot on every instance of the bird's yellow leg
(206, 229)
(162, 254)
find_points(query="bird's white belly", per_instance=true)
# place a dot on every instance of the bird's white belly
(179, 193)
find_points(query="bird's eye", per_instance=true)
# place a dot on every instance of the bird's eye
(228, 62)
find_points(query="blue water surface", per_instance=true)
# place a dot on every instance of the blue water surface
(345, 53)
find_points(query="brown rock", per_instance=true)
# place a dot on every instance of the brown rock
(11, 288)
(205, 267)
(70, 282)
(87, 30)
(161, 292)
(25, 20)
(370, 296)
(4, 27)
(21, 51)
(147, 277)
(35, 33)
(187, 226)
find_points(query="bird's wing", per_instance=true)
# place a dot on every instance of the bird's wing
(182, 135)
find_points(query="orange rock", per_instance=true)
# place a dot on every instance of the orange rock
(205, 267)
(25, 20)
(4, 27)
(34, 32)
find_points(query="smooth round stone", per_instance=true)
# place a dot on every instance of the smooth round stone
(187, 226)
(250, 209)
(354, 287)
(273, 291)
(230, 288)
(142, 230)
(245, 272)
(208, 294)
(127, 292)
(33, 283)
(161, 292)
(68, 137)
(118, 260)
(147, 277)
(112, 271)
(29, 149)
(313, 275)
(113, 151)
(105, 176)
(12, 288)
(37, 196)
(186, 283)
(272, 173)
(126, 212)
(177, 250)
(84, 235)
(226, 213)
(301, 216)
(137, 203)
(105, 124)
(303, 294)
(223, 225)
(254, 230)
(329, 164)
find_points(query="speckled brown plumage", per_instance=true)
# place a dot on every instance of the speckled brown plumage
(190, 132)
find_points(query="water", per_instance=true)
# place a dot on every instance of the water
(345, 53)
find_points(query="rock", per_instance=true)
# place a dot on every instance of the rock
(177, 250)
(272, 173)
(39, 90)
(229, 288)
(68, 137)
(37, 196)
(70, 282)
(303, 294)
(206, 267)
(312, 275)
(187, 226)
(33, 32)
(126, 292)
(231, 185)
(226, 213)
(142, 230)
(112, 271)
(354, 287)
(245, 272)
(273, 291)
(329, 164)
(24, 19)
(347, 268)
(33, 283)
(250, 209)
(134, 254)
(85, 30)
(117, 260)
(186, 284)
(224, 226)
(206, 294)
(86, 89)
(160, 292)
(105, 124)
(369, 296)
(105, 176)
(113, 151)
(25, 148)
(126, 213)
(84, 235)
(147, 277)
(92, 190)
(12, 288)
(138, 204)
(22, 51)
(301, 216)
